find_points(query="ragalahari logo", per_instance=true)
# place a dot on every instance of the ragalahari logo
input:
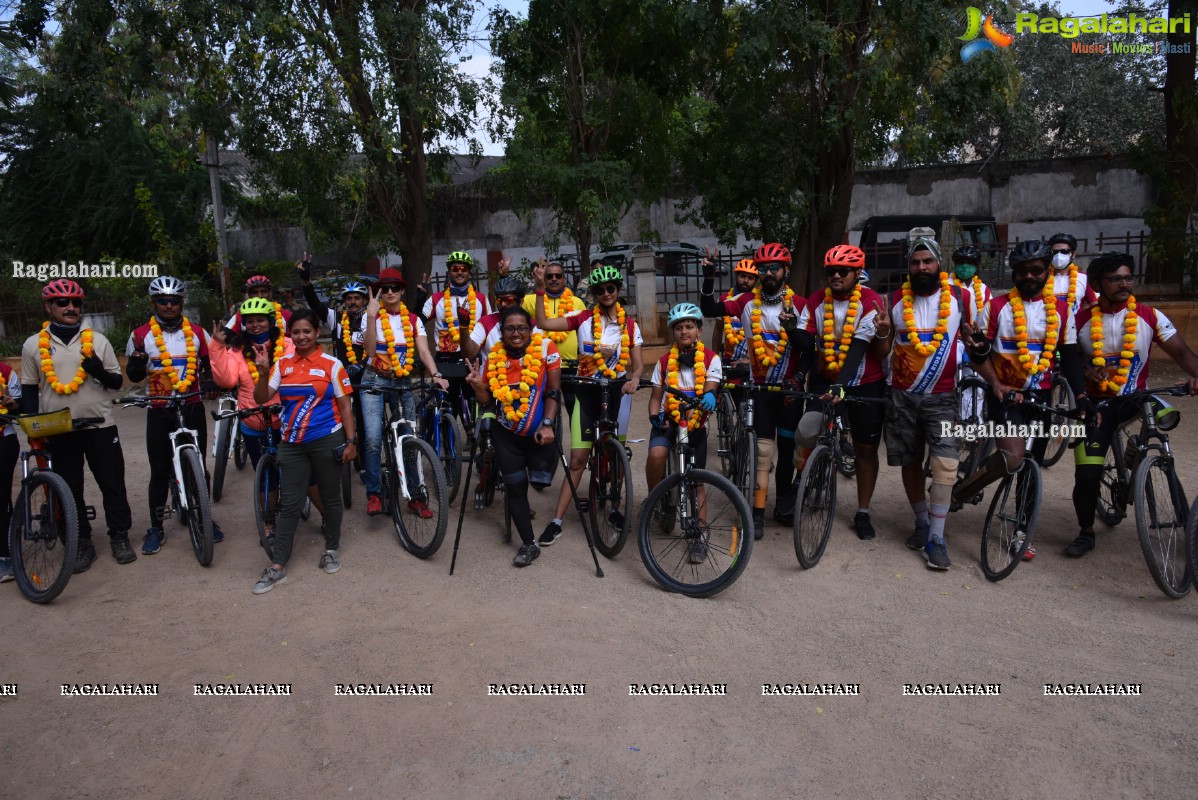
(974, 26)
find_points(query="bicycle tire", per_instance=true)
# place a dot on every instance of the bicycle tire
(1112, 490)
(489, 477)
(264, 509)
(815, 507)
(746, 467)
(726, 422)
(199, 515)
(1061, 397)
(33, 543)
(220, 460)
(239, 454)
(451, 450)
(727, 534)
(419, 536)
(610, 497)
(347, 484)
(1002, 546)
(1192, 540)
(1161, 526)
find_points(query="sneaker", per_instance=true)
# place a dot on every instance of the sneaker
(153, 541)
(420, 509)
(271, 577)
(374, 505)
(528, 554)
(937, 555)
(759, 523)
(697, 553)
(121, 549)
(1029, 553)
(85, 556)
(865, 528)
(329, 561)
(919, 539)
(217, 534)
(784, 509)
(1083, 544)
(6, 573)
(551, 534)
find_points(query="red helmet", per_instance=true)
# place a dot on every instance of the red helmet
(845, 255)
(258, 280)
(62, 288)
(771, 253)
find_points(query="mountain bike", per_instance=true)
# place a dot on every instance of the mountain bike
(489, 477)
(1062, 399)
(227, 430)
(742, 457)
(442, 426)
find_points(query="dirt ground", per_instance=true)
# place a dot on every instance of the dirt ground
(869, 614)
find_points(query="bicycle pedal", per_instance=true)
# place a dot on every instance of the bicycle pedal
(584, 505)
(164, 513)
(89, 512)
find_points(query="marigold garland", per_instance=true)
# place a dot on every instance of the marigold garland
(695, 418)
(835, 355)
(979, 296)
(510, 401)
(400, 371)
(278, 353)
(946, 305)
(597, 339)
(1052, 322)
(762, 358)
(566, 297)
(347, 339)
(43, 346)
(168, 364)
(1130, 327)
(280, 323)
(452, 332)
(732, 336)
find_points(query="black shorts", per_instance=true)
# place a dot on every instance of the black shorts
(518, 455)
(698, 442)
(775, 415)
(588, 407)
(865, 419)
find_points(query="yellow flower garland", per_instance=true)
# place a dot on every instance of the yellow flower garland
(279, 321)
(567, 297)
(389, 337)
(696, 416)
(452, 332)
(834, 356)
(43, 346)
(1130, 326)
(979, 297)
(597, 339)
(347, 338)
(946, 304)
(530, 373)
(764, 360)
(1072, 294)
(732, 336)
(168, 365)
(278, 353)
(1052, 323)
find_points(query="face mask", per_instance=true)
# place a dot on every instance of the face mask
(1060, 260)
(965, 271)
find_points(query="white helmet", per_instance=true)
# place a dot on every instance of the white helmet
(166, 285)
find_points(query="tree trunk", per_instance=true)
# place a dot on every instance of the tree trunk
(1179, 188)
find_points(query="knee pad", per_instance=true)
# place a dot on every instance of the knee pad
(765, 455)
(944, 470)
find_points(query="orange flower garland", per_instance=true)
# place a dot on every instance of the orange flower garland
(1130, 326)
(1052, 324)
(833, 356)
(278, 353)
(43, 346)
(597, 339)
(168, 364)
(732, 336)
(400, 371)
(764, 360)
(452, 333)
(280, 323)
(1072, 295)
(979, 297)
(347, 338)
(946, 305)
(566, 297)
(695, 418)
(514, 404)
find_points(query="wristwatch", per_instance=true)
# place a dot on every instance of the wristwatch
(352, 440)
(437, 375)
(548, 422)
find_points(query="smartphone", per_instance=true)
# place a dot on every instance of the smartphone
(339, 451)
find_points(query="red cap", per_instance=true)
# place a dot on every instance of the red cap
(391, 276)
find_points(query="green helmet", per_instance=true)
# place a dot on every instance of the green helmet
(605, 274)
(258, 305)
(460, 257)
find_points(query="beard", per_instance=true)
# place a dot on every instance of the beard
(1030, 287)
(925, 282)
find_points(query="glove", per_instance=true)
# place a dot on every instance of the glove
(305, 271)
(94, 366)
(658, 421)
(1087, 409)
(707, 401)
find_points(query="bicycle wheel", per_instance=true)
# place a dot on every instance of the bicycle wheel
(745, 477)
(488, 479)
(1192, 539)
(710, 548)
(266, 483)
(610, 498)
(224, 434)
(726, 422)
(420, 522)
(1062, 398)
(347, 485)
(817, 507)
(1112, 491)
(1011, 521)
(1161, 512)
(44, 547)
(199, 515)
(450, 446)
(239, 455)
(974, 455)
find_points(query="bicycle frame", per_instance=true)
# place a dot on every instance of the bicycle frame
(226, 403)
(190, 438)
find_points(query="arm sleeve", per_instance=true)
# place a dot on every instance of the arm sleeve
(852, 359)
(112, 380)
(29, 398)
(709, 304)
(136, 370)
(805, 343)
(575, 319)
(313, 301)
(1071, 366)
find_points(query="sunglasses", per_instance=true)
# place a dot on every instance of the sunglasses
(555, 276)
(1028, 273)
(838, 272)
(516, 329)
(168, 301)
(610, 288)
(507, 299)
(393, 289)
(1066, 251)
(459, 268)
(777, 267)
(63, 302)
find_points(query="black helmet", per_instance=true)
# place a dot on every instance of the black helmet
(1030, 250)
(510, 284)
(967, 254)
(1106, 262)
(1064, 238)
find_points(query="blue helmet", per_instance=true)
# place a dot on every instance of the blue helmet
(685, 311)
(354, 286)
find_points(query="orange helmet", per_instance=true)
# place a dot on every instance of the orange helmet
(845, 255)
(771, 253)
(746, 265)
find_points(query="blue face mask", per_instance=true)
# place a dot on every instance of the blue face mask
(965, 271)
(259, 338)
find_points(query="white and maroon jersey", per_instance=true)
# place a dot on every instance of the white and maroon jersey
(906, 367)
(142, 340)
(405, 351)
(1151, 326)
(998, 323)
(977, 290)
(712, 366)
(487, 333)
(611, 336)
(812, 320)
(772, 340)
(434, 309)
(1060, 287)
(11, 381)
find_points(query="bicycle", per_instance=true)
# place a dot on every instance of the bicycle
(1063, 400)
(727, 423)
(609, 497)
(714, 523)
(44, 532)
(742, 457)
(223, 441)
(444, 430)
(412, 480)
(972, 394)
(489, 476)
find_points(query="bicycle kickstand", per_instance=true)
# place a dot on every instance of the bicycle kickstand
(561, 454)
(462, 510)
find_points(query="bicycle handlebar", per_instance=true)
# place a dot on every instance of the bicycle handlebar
(599, 380)
(146, 399)
(275, 408)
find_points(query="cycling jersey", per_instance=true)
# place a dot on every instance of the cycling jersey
(533, 411)
(611, 336)
(812, 320)
(558, 307)
(142, 339)
(712, 365)
(487, 332)
(936, 373)
(978, 292)
(1151, 326)
(308, 387)
(404, 350)
(230, 370)
(998, 323)
(1060, 286)
(434, 309)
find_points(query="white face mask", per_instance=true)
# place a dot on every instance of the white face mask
(1060, 260)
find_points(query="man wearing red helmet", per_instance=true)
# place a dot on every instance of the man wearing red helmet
(259, 286)
(69, 366)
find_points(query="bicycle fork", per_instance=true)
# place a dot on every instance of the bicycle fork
(401, 468)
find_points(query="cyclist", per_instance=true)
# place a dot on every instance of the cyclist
(1067, 281)
(559, 301)
(173, 355)
(694, 370)
(842, 319)
(966, 260)
(927, 313)
(522, 377)
(318, 437)
(730, 334)
(69, 366)
(10, 452)
(391, 332)
(609, 344)
(260, 286)
(1116, 339)
(509, 291)
(452, 314)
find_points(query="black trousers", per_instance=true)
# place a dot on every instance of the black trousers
(101, 447)
(10, 451)
(160, 423)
